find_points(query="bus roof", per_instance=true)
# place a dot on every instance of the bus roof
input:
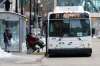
(69, 12)
(68, 8)
(18, 14)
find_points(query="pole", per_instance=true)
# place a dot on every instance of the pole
(16, 7)
(22, 7)
(46, 36)
(30, 16)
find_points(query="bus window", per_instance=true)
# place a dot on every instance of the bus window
(56, 28)
(79, 27)
(70, 27)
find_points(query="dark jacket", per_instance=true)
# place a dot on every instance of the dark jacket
(7, 36)
(31, 40)
(7, 5)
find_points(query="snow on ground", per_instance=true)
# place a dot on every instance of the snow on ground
(4, 54)
(19, 58)
(6, 57)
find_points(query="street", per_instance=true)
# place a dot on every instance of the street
(40, 60)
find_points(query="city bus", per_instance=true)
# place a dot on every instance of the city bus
(69, 33)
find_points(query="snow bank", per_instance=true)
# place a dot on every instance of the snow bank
(24, 47)
(4, 54)
(21, 59)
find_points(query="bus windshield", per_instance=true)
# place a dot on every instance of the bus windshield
(69, 2)
(69, 27)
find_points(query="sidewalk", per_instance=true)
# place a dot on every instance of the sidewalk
(22, 58)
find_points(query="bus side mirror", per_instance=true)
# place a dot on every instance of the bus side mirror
(93, 31)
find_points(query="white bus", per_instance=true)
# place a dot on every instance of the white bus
(69, 33)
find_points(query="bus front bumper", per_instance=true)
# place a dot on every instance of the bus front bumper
(71, 52)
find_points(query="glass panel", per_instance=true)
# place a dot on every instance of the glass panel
(79, 27)
(71, 26)
(97, 4)
(1, 4)
(1, 34)
(90, 6)
(14, 29)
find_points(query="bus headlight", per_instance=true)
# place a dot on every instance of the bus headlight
(86, 45)
(82, 46)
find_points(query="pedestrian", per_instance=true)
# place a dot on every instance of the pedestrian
(37, 41)
(7, 5)
(32, 41)
(7, 39)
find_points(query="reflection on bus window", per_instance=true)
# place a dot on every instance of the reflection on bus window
(79, 27)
